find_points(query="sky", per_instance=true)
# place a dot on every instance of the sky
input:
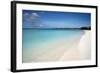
(53, 19)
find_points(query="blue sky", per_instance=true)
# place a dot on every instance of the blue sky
(52, 19)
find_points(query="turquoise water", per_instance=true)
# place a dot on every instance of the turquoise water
(35, 42)
(36, 37)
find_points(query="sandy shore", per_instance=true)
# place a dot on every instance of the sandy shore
(81, 50)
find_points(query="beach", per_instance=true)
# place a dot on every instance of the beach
(56, 46)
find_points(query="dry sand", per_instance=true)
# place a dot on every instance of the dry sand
(81, 50)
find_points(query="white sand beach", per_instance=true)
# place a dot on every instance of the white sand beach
(81, 50)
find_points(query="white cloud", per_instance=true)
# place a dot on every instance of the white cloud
(35, 14)
(26, 14)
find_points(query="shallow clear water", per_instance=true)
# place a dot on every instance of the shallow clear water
(36, 41)
(36, 37)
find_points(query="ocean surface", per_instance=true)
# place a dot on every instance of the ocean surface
(40, 42)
